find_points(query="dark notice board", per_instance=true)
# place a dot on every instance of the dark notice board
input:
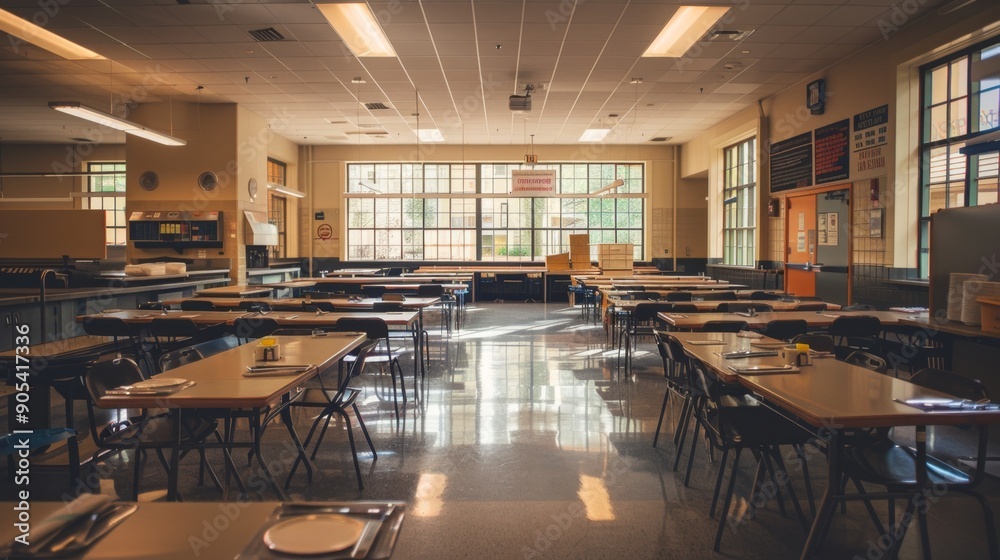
(833, 158)
(791, 163)
(962, 240)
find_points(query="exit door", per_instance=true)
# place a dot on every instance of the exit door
(818, 261)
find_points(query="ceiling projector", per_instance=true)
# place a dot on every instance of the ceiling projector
(521, 103)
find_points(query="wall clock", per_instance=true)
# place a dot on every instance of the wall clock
(149, 180)
(252, 189)
(208, 180)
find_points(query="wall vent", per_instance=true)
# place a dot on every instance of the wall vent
(376, 106)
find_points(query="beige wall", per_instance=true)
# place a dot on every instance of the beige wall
(50, 158)
(883, 73)
(323, 169)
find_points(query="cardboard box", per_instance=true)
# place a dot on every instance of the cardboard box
(991, 314)
(557, 262)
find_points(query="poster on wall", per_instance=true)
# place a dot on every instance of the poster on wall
(870, 142)
(791, 163)
(832, 156)
(832, 232)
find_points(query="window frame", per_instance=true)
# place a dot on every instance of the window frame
(113, 230)
(739, 239)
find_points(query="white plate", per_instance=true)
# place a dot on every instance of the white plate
(159, 382)
(314, 534)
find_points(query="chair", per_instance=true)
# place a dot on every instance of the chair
(644, 295)
(143, 433)
(867, 361)
(246, 328)
(172, 333)
(685, 308)
(187, 355)
(734, 423)
(725, 326)
(856, 332)
(675, 364)
(761, 295)
(376, 329)
(785, 329)
(716, 295)
(447, 302)
(642, 322)
(678, 296)
(197, 305)
(337, 402)
(153, 306)
(810, 307)
(743, 307)
(886, 463)
(817, 342)
(254, 306)
(126, 338)
(38, 442)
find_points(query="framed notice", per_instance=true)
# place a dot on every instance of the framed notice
(532, 182)
(875, 222)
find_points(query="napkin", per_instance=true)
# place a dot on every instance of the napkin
(78, 508)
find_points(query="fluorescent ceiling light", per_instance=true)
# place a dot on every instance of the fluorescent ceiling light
(358, 28)
(430, 135)
(594, 134)
(683, 30)
(111, 121)
(285, 190)
(608, 188)
(31, 33)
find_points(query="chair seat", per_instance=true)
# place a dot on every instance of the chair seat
(886, 463)
(159, 431)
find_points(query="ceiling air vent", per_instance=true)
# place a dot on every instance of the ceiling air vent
(660, 139)
(266, 35)
(376, 106)
(728, 35)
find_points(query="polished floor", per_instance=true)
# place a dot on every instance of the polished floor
(525, 444)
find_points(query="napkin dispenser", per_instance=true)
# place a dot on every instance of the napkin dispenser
(797, 355)
(268, 350)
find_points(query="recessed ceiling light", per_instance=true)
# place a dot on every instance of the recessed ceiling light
(594, 134)
(684, 29)
(43, 38)
(430, 135)
(358, 28)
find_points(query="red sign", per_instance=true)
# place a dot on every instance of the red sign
(324, 232)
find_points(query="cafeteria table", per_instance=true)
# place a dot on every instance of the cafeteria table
(831, 397)
(206, 529)
(234, 291)
(221, 382)
(710, 306)
(815, 319)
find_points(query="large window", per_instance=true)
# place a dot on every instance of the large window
(449, 211)
(277, 212)
(110, 180)
(739, 203)
(960, 100)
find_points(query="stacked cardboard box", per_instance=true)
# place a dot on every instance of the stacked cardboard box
(615, 258)
(579, 250)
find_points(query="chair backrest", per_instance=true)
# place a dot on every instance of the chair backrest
(109, 374)
(645, 313)
(197, 305)
(785, 329)
(725, 326)
(254, 305)
(868, 361)
(678, 296)
(173, 327)
(811, 306)
(430, 290)
(685, 308)
(107, 326)
(373, 327)
(743, 307)
(951, 383)
(254, 327)
(152, 306)
(649, 296)
(859, 326)
(766, 296)
(817, 342)
(717, 295)
(178, 358)
(384, 306)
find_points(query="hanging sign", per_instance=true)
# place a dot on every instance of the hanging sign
(533, 182)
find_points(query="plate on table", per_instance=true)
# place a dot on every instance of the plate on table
(159, 383)
(310, 535)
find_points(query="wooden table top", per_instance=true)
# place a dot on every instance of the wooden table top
(814, 318)
(286, 318)
(829, 393)
(56, 348)
(945, 326)
(394, 279)
(709, 306)
(297, 303)
(219, 380)
(397, 287)
(290, 284)
(234, 291)
(354, 272)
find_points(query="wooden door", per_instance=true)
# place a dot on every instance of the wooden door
(800, 235)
